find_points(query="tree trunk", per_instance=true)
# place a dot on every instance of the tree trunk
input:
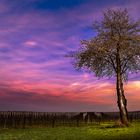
(122, 102)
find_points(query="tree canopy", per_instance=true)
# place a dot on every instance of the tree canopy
(115, 30)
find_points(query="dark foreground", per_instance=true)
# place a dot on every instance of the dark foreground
(103, 131)
(54, 119)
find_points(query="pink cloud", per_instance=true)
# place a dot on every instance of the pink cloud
(30, 43)
(38, 77)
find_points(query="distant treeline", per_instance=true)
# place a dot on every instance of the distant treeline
(54, 119)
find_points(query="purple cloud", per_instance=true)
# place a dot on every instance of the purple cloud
(34, 69)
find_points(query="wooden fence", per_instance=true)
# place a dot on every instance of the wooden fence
(54, 119)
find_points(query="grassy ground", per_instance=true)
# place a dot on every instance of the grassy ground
(104, 131)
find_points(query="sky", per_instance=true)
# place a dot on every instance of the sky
(36, 75)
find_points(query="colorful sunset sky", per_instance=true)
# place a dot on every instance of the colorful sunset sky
(36, 75)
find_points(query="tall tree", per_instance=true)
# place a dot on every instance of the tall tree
(114, 51)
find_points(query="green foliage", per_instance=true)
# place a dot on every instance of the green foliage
(105, 131)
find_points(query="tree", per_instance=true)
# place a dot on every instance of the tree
(114, 51)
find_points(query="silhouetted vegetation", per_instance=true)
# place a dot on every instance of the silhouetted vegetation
(45, 119)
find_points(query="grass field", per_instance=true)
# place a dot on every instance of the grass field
(104, 131)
